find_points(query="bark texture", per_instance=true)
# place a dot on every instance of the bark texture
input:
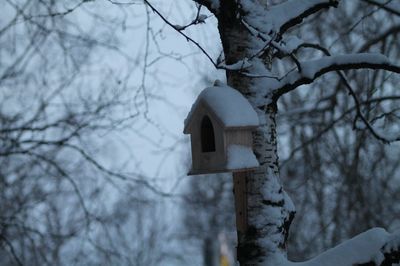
(269, 209)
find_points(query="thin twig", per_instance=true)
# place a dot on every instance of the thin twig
(182, 33)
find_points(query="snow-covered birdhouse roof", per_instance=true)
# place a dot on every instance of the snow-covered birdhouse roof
(230, 107)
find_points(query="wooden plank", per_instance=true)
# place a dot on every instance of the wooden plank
(216, 171)
(240, 189)
(241, 137)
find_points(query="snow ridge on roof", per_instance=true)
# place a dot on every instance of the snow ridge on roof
(229, 105)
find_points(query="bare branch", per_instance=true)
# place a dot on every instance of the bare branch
(12, 250)
(182, 33)
(141, 180)
(65, 12)
(384, 6)
(392, 30)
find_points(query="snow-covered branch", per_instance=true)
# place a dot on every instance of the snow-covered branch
(199, 19)
(282, 17)
(289, 45)
(292, 13)
(313, 69)
(375, 247)
(240, 65)
(371, 248)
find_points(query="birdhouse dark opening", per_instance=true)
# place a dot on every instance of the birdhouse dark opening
(207, 135)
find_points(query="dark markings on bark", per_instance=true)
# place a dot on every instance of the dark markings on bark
(274, 203)
(227, 19)
(250, 250)
(391, 258)
(286, 226)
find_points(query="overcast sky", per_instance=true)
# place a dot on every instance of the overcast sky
(177, 81)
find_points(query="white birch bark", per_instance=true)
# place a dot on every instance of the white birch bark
(269, 214)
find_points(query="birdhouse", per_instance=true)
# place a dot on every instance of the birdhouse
(220, 125)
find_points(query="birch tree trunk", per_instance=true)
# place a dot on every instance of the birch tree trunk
(269, 209)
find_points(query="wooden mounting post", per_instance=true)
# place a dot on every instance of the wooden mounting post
(240, 189)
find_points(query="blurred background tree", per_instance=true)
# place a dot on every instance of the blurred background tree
(342, 180)
(209, 215)
(70, 192)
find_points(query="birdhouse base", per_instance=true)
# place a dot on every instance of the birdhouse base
(216, 171)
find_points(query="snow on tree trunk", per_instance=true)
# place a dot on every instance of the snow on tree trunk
(269, 209)
(249, 30)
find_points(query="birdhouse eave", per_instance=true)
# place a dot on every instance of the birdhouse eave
(196, 112)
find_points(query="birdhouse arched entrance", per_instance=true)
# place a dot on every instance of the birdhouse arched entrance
(207, 136)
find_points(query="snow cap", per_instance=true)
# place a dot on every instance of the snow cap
(240, 157)
(228, 104)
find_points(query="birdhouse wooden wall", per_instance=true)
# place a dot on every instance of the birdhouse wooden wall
(238, 136)
(211, 141)
(207, 140)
